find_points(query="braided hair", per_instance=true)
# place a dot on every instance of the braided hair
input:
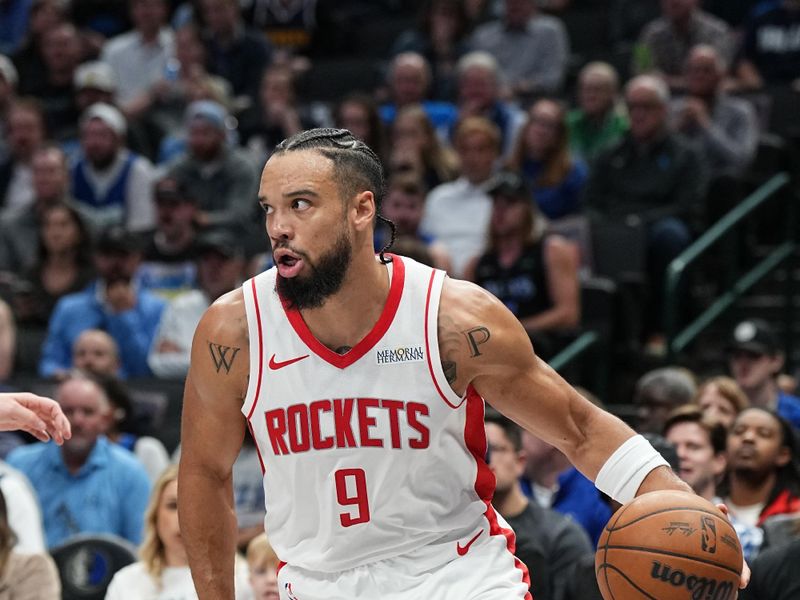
(356, 167)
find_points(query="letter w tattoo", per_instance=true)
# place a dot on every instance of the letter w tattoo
(223, 356)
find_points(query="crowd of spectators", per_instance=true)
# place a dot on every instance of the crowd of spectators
(132, 135)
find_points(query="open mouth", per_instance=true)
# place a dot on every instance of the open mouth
(287, 262)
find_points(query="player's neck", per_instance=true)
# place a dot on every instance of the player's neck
(350, 314)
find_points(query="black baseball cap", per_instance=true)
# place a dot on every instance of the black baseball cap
(756, 336)
(171, 190)
(220, 241)
(117, 240)
(509, 184)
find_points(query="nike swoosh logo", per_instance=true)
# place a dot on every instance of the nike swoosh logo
(275, 365)
(462, 550)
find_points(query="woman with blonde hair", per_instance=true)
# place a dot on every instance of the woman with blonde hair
(542, 155)
(163, 568)
(722, 399)
(24, 576)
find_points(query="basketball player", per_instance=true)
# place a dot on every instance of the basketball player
(39, 416)
(362, 380)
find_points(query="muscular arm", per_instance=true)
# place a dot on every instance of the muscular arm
(561, 263)
(482, 344)
(212, 431)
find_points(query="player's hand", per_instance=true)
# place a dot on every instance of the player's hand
(745, 577)
(39, 416)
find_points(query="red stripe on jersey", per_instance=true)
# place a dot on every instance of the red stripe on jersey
(255, 443)
(260, 349)
(428, 345)
(260, 371)
(511, 543)
(342, 361)
(475, 438)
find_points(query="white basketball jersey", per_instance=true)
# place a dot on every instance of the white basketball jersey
(369, 454)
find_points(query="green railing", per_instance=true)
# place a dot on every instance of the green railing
(597, 367)
(678, 340)
(575, 349)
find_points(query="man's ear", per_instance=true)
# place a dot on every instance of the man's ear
(363, 209)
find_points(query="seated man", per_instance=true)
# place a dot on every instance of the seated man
(552, 482)
(114, 303)
(654, 176)
(88, 485)
(220, 266)
(548, 542)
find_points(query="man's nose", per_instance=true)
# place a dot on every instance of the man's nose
(279, 227)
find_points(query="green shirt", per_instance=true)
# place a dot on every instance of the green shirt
(587, 139)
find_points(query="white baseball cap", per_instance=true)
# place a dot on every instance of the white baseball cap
(109, 115)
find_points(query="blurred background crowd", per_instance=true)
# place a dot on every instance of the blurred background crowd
(622, 174)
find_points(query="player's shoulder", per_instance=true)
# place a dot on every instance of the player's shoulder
(464, 300)
(226, 317)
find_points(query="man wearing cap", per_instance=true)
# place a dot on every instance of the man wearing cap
(219, 176)
(114, 303)
(113, 183)
(171, 248)
(94, 82)
(220, 267)
(533, 274)
(755, 360)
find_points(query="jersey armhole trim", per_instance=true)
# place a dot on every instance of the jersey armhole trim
(432, 342)
(254, 329)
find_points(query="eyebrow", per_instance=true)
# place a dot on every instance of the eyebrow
(292, 194)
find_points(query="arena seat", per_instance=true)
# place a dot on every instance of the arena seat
(87, 562)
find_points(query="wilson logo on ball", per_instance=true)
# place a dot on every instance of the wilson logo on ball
(708, 537)
(702, 588)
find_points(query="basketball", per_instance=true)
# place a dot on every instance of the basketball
(668, 545)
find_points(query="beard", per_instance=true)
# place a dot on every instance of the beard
(325, 279)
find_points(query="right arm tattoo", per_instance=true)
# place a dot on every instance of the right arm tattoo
(449, 340)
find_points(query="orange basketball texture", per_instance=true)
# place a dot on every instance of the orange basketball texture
(668, 545)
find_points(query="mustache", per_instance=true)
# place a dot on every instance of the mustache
(284, 245)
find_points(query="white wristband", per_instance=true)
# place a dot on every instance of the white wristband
(624, 471)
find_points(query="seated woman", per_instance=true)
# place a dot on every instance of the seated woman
(163, 571)
(542, 155)
(417, 148)
(24, 575)
(65, 265)
(534, 275)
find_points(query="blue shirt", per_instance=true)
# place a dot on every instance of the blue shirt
(108, 494)
(561, 199)
(133, 330)
(578, 497)
(443, 115)
(789, 408)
